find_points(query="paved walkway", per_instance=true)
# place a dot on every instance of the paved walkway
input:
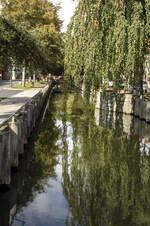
(8, 92)
(16, 99)
(6, 83)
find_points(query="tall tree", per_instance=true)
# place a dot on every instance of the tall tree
(39, 18)
(107, 40)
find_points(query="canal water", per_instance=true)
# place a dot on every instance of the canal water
(87, 168)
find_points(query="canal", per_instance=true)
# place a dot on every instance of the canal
(81, 170)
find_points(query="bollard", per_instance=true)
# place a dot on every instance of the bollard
(5, 163)
(14, 142)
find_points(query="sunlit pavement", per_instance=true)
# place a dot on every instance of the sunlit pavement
(15, 98)
(14, 101)
(9, 92)
(6, 90)
(5, 83)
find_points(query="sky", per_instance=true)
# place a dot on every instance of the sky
(66, 12)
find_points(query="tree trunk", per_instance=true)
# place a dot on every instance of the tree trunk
(10, 80)
(23, 76)
(34, 78)
(30, 78)
(13, 73)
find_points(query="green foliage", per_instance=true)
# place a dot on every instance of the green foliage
(30, 34)
(27, 85)
(105, 171)
(1, 99)
(107, 40)
(17, 44)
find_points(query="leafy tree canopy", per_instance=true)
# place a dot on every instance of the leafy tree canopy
(38, 20)
(107, 40)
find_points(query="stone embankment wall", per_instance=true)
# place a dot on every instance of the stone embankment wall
(127, 103)
(15, 133)
(120, 114)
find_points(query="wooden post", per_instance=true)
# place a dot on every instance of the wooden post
(25, 126)
(5, 163)
(29, 118)
(33, 102)
(14, 142)
(36, 110)
(20, 135)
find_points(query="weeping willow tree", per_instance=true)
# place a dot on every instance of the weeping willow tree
(107, 40)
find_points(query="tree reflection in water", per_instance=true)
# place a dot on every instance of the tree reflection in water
(105, 176)
(42, 166)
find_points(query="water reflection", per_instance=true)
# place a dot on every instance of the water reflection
(84, 171)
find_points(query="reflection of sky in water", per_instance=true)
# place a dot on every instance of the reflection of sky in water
(48, 208)
(69, 140)
(92, 184)
(145, 147)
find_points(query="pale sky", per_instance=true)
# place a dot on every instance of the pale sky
(67, 10)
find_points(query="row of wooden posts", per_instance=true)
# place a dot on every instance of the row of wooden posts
(14, 135)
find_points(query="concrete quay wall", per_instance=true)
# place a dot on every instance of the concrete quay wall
(15, 132)
(126, 103)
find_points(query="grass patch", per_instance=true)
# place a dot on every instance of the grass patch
(28, 85)
(2, 98)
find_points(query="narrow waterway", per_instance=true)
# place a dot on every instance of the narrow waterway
(84, 171)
